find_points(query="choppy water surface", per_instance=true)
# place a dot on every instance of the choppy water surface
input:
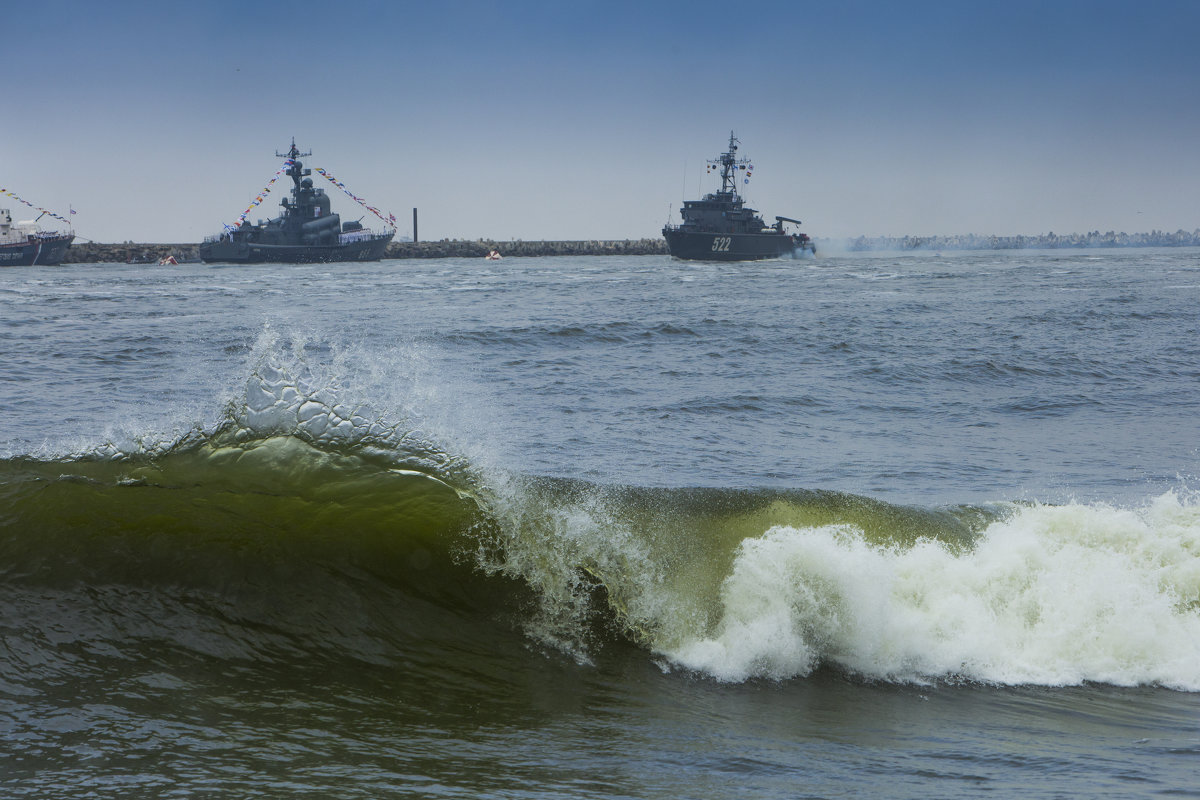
(889, 525)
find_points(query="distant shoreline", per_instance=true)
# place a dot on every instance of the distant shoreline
(1048, 241)
(144, 253)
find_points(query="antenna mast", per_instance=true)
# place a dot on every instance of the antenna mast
(729, 163)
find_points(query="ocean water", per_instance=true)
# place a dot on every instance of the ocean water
(862, 525)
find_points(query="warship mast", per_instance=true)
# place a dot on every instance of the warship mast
(294, 172)
(729, 163)
(295, 210)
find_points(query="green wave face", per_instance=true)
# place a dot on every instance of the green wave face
(279, 533)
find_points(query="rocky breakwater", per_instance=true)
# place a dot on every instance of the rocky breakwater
(134, 253)
(129, 253)
(457, 248)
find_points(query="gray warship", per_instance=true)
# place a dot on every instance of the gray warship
(720, 227)
(307, 232)
(24, 244)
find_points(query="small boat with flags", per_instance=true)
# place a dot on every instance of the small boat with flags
(719, 227)
(307, 231)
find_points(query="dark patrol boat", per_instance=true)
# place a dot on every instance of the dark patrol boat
(721, 228)
(23, 244)
(306, 232)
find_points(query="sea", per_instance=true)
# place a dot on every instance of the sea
(903, 525)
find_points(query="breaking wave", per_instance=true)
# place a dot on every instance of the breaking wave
(305, 525)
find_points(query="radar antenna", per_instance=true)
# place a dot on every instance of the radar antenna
(293, 152)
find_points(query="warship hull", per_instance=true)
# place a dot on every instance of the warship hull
(710, 246)
(240, 252)
(44, 251)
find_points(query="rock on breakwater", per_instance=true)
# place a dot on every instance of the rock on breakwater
(129, 253)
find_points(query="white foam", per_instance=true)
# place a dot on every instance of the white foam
(1050, 596)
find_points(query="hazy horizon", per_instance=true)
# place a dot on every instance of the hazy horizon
(594, 120)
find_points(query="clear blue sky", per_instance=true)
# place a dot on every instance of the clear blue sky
(563, 120)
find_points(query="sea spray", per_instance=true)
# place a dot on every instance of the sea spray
(565, 542)
(647, 565)
(1050, 596)
(343, 399)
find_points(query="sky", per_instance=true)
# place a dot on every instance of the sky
(159, 122)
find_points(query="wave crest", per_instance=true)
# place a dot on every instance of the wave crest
(1049, 596)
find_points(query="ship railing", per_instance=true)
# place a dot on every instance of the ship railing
(217, 237)
(359, 236)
